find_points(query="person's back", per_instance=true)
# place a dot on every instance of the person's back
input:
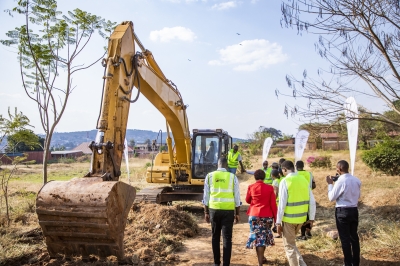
(346, 191)
(260, 202)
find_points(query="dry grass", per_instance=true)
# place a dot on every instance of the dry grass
(379, 227)
(379, 219)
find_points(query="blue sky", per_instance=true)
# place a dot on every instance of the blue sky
(229, 82)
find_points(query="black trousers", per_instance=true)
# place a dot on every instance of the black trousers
(347, 223)
(222, 220)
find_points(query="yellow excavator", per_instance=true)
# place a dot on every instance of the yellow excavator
(87, 215)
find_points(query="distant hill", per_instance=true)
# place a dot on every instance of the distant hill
(72, 139)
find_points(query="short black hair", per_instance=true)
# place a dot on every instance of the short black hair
(344, 165)
(259, 174)
(275, 165)
(274, 173)
(299, 164)
(281, 160)
(288, 165)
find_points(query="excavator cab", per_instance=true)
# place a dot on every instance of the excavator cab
(208, 146)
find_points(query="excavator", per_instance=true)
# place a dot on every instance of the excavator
(87, 215)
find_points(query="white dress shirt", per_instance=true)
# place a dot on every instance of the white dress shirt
(236, 191)
(283, 197)
(346, 191)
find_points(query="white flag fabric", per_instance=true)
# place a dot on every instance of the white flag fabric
(127, 159)
(351, 112)
(300, 143)
(267, 145)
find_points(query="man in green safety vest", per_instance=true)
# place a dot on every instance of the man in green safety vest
(221, 201)
(296, 200)
(234, 159)
(267, 170)
(306, 228)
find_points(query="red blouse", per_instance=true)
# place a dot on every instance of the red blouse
(262, 200)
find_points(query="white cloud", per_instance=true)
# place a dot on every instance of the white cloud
(250, 55)
(225, 5)
(169, 34)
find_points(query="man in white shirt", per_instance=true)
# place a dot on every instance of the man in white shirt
(346, 192)
(296, 201)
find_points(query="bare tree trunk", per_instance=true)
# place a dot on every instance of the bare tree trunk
(45, 157)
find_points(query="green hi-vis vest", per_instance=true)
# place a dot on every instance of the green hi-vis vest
(221, 191)
(298, 200)
(268, 179)
(279, 182)
(306, 175)
(233, 159)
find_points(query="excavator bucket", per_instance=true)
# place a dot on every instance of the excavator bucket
(84, 216)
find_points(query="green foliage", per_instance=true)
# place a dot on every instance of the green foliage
(257, 139)
(384, 157)
(319, 162)
(24, 140)
(148, 164)
(49, 44)
(12, 125)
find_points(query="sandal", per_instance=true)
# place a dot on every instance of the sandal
(278, 236)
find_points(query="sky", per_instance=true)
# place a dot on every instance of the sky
(227, 58)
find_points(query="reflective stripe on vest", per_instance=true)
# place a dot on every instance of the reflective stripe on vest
(298, 199)
(233, 159)
(307, 176)
(221, 190)
(268, 179)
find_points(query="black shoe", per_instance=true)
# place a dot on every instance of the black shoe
(308, 234)
(274, 229)
(302, 238)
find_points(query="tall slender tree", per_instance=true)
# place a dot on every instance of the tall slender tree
(49, 44)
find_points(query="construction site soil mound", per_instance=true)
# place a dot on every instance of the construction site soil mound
(156, 231)
(152, 236)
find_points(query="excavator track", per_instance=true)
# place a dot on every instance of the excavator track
(84, 216)
(164, 195)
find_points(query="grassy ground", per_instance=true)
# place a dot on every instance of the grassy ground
(379, 228)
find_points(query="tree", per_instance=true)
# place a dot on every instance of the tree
(24, 140)
(274, 133)
(360, 39)
(132, 143)
(257, 139)
(11, 126)
(49, 45)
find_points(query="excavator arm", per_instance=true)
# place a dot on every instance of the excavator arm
(87, 215)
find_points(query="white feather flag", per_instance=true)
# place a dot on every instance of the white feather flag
(267, 145)
(300, 144)
(351, 112)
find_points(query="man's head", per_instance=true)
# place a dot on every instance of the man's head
(235, 148)
(342, 167)
(259, 175)
(281, 160)
(275, 166)
(287, 167)
(275, 173)
(265, 164)
(299, 165)
(223, 163)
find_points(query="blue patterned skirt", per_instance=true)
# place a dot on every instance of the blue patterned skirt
(260, 232)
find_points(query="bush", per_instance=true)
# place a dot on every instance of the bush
(66, 160)
(319, 162)
(384, 157)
